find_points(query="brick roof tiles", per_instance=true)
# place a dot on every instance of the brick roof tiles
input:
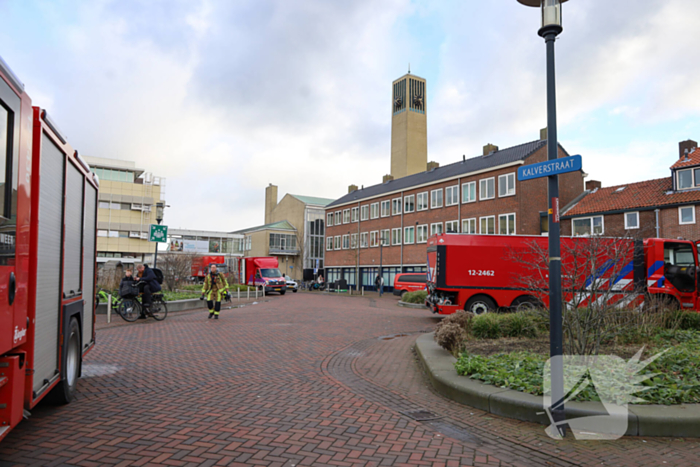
(692, 159)
(646, 194)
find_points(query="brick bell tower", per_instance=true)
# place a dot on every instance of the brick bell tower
(409, 130)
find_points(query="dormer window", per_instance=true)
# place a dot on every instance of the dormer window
(688, 178)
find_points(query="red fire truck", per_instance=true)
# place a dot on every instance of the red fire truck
(48, 204)
(481, 273)
(262, 271)
(200, 266)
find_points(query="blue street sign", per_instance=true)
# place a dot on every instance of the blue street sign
(545, 169)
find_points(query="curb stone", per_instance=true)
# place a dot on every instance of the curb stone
(415, 306)
(643, 420)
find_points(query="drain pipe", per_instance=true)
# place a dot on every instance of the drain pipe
(656, 212)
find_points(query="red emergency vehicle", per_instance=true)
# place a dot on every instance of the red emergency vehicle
(262, 271)
(480, 273)
(200, 266)
(48, 212)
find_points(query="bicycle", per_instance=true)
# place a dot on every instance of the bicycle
(131, 307)
(102, 295)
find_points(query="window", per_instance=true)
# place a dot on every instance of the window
(686, 215)
(337, 242)
(452, 195)
(488, 225)
(422, 201)
(386, 206)
(374, 210)
(329, 219)
(408, 235)
(346, 242)
(409, 204)
(364, 239)
(631, 220)
(436, 229)
(469, 226)
(346, 216)
(114, 234)
(396, 207)
(354, 214)
(506, 224)
(486, 190)
(364, 212)
(436, 198)
(282, 241)
(353, 241)
(396, 236)
(688, 178)
(374, 238)
(587, 226)
(452, 226)
(329, 243)
(104, 205)
(422, 234)
(386, 237)
(506, 185)
(469, 192)
(101, 233)
(338, 220)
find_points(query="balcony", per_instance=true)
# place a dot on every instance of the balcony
(284, 251)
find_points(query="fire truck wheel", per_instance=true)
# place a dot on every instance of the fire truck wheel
(65, 390)
(282, 292)
(480, 304)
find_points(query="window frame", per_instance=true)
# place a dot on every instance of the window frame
(374, 210)
(364, 212)
(354, 214)
(515, 226)
(396, 202)
(338, 218)
(423, 228)
(346, 216)
(487, 218)
(329, 245)
(393, 236)
(425, 195)
(627, 227)
(475, 226)
(353, 241)
(590, 219)
(692, 179)
(433, 203)
(413, 203)
(413, 235)
(336, 243)
(374, 239)
(465, 190)
(346, 242)
(442, 230)
(386, 202)
(364, 239)
(455, 199)
(329, 219)
(454, 222)
(680, 215)
(506, 176)
(481, 192)
(383, 237)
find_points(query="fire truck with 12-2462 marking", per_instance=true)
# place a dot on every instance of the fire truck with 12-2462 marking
(48, 213)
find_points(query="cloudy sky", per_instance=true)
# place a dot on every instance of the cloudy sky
(222, 97)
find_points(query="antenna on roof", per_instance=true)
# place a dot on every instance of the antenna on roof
(409, 68)
(464, 157)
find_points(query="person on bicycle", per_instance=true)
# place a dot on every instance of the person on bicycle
(213, 290)
(149, 282)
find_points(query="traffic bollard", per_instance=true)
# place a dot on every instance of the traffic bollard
(363, 290)
(109, 308)
(239, 294)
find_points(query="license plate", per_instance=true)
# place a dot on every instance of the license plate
(278, 290)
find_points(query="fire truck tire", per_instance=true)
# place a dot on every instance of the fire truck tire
(64, 392)
(480, 304)
(282, 292)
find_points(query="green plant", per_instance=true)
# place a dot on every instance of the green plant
(518, 325)
(487, 326)
(415, 297)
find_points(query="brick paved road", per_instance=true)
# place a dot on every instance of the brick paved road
(295, 381)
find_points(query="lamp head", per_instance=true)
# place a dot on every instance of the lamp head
(551, 14)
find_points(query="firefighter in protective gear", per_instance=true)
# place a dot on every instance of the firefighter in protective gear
(214, 289)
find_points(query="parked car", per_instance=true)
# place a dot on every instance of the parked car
(291, 285)
(409, 282)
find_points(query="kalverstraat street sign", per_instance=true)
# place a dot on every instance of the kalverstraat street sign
(158, 233)
(545, 169)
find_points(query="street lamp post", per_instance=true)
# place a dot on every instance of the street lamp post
(551, 28)
(159, 218)
(381, 262)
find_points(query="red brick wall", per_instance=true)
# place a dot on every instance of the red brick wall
(614, 225)
(671, 228)
(530, 199)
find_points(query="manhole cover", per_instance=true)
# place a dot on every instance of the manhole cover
(422, 415)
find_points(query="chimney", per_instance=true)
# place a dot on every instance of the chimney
(387, 178)
(352, 188)
(686, 147)
(543, 134)
(490, 148)
(432, 165)
(270, 202)
(592, 185)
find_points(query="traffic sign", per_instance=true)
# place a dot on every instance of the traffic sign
(158, 233)
(548, 168)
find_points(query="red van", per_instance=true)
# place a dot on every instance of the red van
(409, 282)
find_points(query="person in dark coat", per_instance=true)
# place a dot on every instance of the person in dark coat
(150, 284)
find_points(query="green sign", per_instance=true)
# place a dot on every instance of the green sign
(158, 233)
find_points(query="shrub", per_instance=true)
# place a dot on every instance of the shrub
(684, 320)
(451, 337)
(487, 326)
(415, 297)
(461, 318)
(518, 325)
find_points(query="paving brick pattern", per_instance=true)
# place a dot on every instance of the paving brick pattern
(302, 380)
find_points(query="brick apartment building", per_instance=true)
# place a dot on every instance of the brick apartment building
(665, 207)
(480, 195)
